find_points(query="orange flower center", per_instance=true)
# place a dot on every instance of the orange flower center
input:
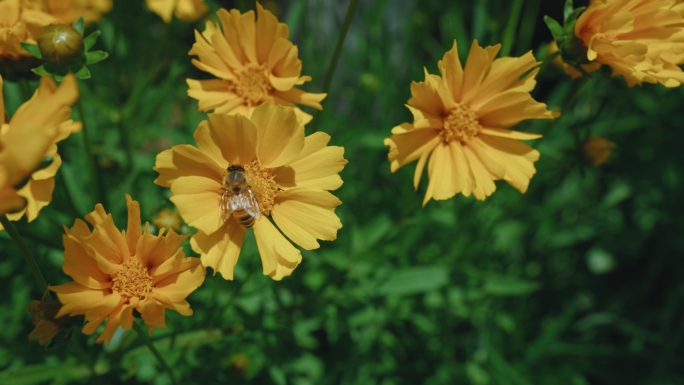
(461, 124)
(252, 85)
(133, 280)
(263, 185)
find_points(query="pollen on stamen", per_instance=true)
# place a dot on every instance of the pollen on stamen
(252, 85)
(133, 280)
(460, 124)
(263, 185)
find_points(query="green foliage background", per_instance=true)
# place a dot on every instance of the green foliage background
(578, 281)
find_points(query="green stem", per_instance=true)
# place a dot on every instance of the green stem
(156, 353)
(509, 32)
(338, 49)
(92, 166)
(24, 250)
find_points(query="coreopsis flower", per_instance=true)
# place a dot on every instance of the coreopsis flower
(68, 11)
(19, 25)
(272, 171)
(461, 122)
(254, 63)
(168, 219)
(642, 40)
(569, 70)
(116, 272)
(185, 10)
(26, 139)
(37, 191)
(596, 150)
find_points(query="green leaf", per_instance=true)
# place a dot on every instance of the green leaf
(95, 56)
(79, 25)
(40, 71)
(571, 20)
(555, 28)
(569, 6)
(83, 73)
(32, 49)
(415, 280)
(509, 286)
(90, 40)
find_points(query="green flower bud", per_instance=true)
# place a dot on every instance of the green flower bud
(60, 43)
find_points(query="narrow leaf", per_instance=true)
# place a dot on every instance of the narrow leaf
(41, 71)
(95, 56)
(79, 25)
(32, 49)
(568, 9)
(90, 40)
(83, 73)
(555, 28)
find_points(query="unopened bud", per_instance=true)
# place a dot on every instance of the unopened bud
(596, 150)
(60, 43)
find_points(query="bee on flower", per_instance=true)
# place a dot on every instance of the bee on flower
(253, 62)
(461, 123)
(249, 173)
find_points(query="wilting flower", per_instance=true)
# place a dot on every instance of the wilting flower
(254, 63)
(116, 272)
(642, 40)
(596, 150)
(26, 139)
(46, 324)
(569, 70)
(19, 25)
(185, 10)
(461, 121)
(48, 107)
(68, 11)
(288, 174)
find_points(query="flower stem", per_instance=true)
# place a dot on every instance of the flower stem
(338, 50)
(92, 166)
(511, 25)
(24, 250)
(156, 353)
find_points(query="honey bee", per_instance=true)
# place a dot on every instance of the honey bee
(238, 199)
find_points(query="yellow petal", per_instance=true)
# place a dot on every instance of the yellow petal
(409, 146)
(220, 250)
(177, 286)
(235, 136)
(80, 266)
(197, 199)
(452, 71)
(278, 257)
(186, 160)
(518, 157)
(317, 165)
(134, 229)
(477, 65)
(153, 250)
(280, 138)
(153, 314)
(305, 215)
(76, 298)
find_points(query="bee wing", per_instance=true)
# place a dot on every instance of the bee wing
(225, 207)
(246, 201)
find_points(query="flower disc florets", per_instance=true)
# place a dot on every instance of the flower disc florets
(461, 124)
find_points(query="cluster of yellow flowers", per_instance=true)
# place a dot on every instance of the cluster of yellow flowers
(253, 166)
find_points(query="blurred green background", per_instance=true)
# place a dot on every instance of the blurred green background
(578, 281)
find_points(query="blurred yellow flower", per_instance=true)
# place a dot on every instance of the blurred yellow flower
(569, 70)
(68, 11)
(168, 219)
(461, 121)
(185, 10)
(19, 25)
(253, 61)
(642, 40)
(116, 272)
(38, 190)
(26, 139)
(289, 175)
(596, 150)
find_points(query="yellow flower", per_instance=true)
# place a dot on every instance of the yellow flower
(289, 175)
(642, 40)
(461, 121)
(254, 61)
(596, 150)
(569, 70)
(185, 10)
(26, 139)
(116, 272)
(19, 25)
(68, 11)
(38, 190)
